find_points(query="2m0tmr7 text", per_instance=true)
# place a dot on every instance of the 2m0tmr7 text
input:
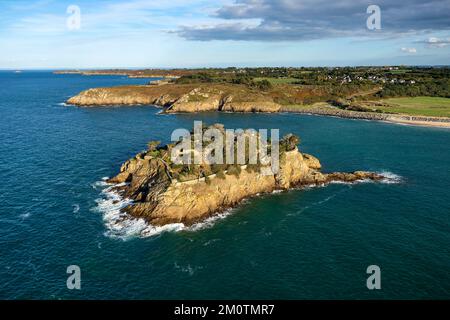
(245, 309)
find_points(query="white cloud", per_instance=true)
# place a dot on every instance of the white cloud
(318, 19)
(409, 50)
(437, 42)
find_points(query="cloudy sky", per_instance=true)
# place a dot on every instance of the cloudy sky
(200, 33)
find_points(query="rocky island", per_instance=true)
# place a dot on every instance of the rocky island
(163, 192)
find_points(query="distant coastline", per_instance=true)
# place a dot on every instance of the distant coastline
(184, 99)
(243, 90)
(150, 73)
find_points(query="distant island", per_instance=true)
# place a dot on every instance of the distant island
(146, 73)
(410, 95)
(164, 192)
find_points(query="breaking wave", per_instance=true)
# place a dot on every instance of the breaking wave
(25, 216)
(390, 177)
(120, 225)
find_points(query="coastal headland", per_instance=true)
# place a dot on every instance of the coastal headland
(280, 90)
(189, 98)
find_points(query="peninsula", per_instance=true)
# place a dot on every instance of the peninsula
(383, 94)
(164, 192)
(145, 73)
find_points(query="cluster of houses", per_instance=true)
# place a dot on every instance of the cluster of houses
(342, 76)
(376, 79)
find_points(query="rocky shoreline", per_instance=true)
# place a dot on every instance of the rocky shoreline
(191, 98)
(180, 98)
(373, 116)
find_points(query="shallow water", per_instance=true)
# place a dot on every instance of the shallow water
(314, 243)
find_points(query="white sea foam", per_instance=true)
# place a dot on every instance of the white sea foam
(25, 215)
(209, 242)
(150, 230)
(209, 222)
(390, 177)
(121, 225)
(100, 184)
(187, 269)
(118, 223)
(346, 182)
(76, 208)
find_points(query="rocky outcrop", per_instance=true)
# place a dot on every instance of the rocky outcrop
(229, 97)
(160, 198)
(123, 96)
(181, 98)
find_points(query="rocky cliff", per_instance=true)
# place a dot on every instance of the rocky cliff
(181, 98)
(162, 196)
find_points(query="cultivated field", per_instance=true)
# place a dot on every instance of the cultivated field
(425, 106)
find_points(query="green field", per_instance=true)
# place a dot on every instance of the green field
(277, 80)
(425, 106)
(401, 71)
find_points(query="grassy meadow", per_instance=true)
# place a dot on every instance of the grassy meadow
(424, 106)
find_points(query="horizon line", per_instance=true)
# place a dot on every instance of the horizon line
(217, 67)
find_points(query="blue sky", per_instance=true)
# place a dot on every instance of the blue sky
(200, 33)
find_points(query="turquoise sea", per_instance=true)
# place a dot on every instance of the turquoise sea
(302, 244)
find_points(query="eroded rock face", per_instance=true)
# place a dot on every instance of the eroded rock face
(122, 96)
(251, 106)
(312, 161)
(181, 98)
(161, 200)
(196, 100)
